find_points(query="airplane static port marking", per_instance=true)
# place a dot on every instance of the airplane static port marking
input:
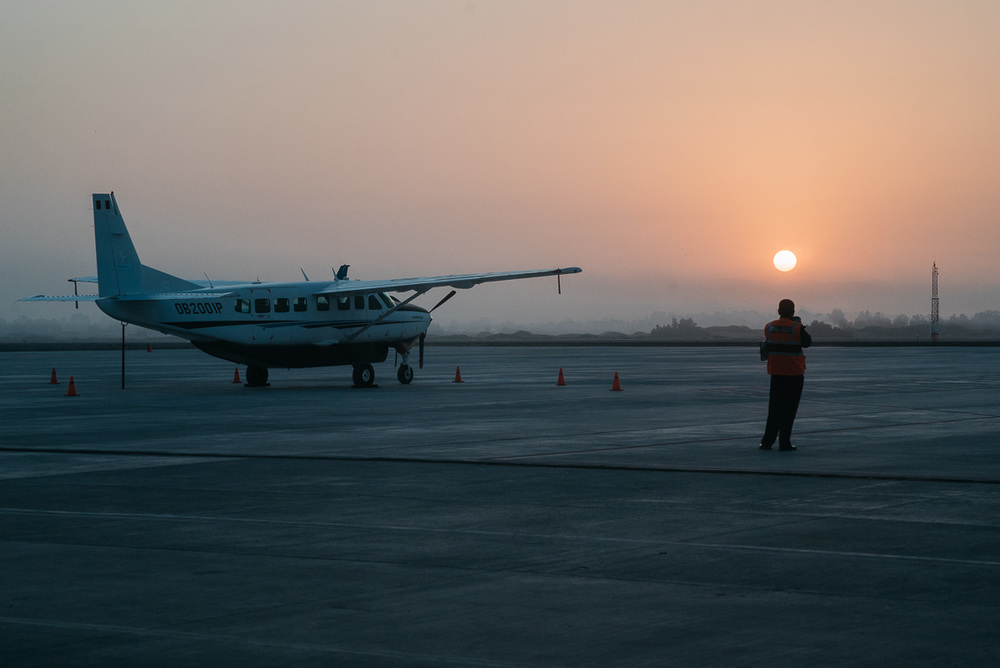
(265, 325)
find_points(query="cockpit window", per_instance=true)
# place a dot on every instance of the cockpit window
(386, 299)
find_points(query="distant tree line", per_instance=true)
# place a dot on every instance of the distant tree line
(837, 326)
(868, 325)
(77, 327)
(833, 326)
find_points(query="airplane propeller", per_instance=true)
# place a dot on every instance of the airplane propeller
(423, 335)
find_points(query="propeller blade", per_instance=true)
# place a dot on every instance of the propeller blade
(446, 298)
(423, 335)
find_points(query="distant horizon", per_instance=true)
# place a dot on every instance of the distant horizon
(95, 324)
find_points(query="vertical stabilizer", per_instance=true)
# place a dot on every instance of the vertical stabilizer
(119, 271)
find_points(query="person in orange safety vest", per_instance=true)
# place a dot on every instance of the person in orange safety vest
(786, 364)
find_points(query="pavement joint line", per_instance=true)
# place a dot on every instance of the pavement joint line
(422, 529)
(916, 409)
(252, 641)
(844, 475)
(866, 555)
(731, 438)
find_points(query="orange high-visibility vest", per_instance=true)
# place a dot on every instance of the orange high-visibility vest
(784, 348)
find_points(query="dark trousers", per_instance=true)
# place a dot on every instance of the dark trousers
(781, 408)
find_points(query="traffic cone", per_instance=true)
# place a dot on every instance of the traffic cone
(458, 375)
(236, 376)
(616, 386)
(71, 391)
(53, 380)
(149, 347)
(562, 379)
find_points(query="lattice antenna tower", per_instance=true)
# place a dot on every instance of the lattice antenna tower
(935, 313)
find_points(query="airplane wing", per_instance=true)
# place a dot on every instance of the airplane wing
(342, 287)
(220, 284)
(459, 281)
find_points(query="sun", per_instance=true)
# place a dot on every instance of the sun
(784, 260)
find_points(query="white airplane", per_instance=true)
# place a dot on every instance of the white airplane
(270, 325)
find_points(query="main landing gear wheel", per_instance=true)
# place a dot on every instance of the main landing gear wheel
(405, 374)
(256, 376)
(364, 375)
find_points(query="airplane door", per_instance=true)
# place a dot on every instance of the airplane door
(261, 306)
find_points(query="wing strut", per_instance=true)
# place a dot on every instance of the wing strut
(75, 293)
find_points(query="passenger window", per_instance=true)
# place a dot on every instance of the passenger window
(300, 304)
(359, 302)
(373, 303)
(322, 303)
(98, 204)
(262, 305)
(281, 305)
(344, 304)
(242, 305)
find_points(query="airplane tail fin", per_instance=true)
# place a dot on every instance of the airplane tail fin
(119, 271)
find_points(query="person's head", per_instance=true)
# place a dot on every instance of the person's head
(786, 308)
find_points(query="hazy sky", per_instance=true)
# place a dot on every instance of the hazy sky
(668, 148)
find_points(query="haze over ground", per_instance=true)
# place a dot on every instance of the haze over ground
(668, 148)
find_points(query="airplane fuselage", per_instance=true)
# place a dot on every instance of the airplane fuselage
(279, 324)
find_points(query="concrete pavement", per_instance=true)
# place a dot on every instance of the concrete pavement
(503, 520)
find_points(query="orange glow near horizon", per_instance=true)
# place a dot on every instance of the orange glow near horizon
(666, 148)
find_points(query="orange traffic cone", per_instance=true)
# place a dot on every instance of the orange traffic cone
(149, 347)
(562, 379)
(236, 376)
(458, 375)
(71, 391)
(53, 380)
(616, 386)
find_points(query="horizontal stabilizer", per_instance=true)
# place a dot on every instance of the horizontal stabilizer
(61, 298)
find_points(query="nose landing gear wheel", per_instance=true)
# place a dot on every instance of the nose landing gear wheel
(256, 376)
(405, 374)
(364, 376)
